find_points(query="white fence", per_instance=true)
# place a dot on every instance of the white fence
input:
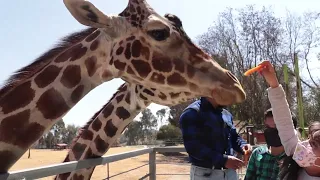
(35, 173)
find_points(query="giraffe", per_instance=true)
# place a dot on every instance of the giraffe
(100, 132)
(138, 46)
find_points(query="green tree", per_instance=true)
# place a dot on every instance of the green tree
(58, 130)
(161, 114)
(49, 140)
(133, 132)
(149, 124)
(69, 133)
(168, 132)
(175, 112)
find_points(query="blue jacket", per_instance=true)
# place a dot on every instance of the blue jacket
(209, 134)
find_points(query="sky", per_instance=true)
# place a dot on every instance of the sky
(29, 28)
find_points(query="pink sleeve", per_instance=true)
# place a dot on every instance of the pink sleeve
(283, 119)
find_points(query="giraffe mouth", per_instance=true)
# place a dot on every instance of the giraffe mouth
(227, 94)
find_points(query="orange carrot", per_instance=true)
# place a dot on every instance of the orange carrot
(253, 70)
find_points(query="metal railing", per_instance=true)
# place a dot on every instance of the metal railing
(51, 170)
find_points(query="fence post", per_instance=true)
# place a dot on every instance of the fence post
(152, 165)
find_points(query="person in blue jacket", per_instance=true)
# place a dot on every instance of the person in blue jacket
(210, 139)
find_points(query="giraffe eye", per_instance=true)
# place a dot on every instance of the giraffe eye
(159, 34)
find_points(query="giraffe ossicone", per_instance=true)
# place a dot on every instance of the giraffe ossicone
(139, 46)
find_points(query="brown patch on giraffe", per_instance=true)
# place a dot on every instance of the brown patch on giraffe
(128, 98)
(87, 134)
(102, 54)
(131, 38)
(204, 70)
(17, 98)
(194, 59)
(130, 70)
(193, 87)
(136, 90)
(63, 57)
(52, 105)
(94, 46)
(161, 63)
(78, 177)
(91, 65)
(119, 51)
(119, 98)
(76, 94)
(110, 129)
(158, 78)
(143, 68)
(147, 91)
(107, 74)
(64, 176)
(111, 61)
(178, 65)
(121, 42)
(71, 76)
(143, 39)
(122, 113)
(190, 71)
(162, 96)
(119, 65)
(145, 52)
(101, 145)
(79, 53)
(136, 48)
(143, 97)
(25, 133)
(96, 124)
(187, 93)
(175, 95)
(108, 110)
(73, 54)
(8, 157)
(93, 36)
(88, 154)
(47, 76)
(127, 53)
(176, 80)
(78, 150)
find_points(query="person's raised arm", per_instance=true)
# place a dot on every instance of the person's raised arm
(280, 109)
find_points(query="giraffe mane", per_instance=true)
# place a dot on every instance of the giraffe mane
(41, 62)
(86, 126)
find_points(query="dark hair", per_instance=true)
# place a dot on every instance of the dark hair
(289, 168)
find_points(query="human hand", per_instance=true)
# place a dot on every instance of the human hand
(234, 163)
(269, 74)
(247, 149)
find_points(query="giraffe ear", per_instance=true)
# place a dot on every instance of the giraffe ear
(87, 14)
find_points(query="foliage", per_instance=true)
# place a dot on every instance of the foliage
(58, 134)
(175, 112)
(241, 38)
(168, 132)
(133, 133)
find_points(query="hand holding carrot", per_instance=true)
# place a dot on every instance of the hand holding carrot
(267, 71)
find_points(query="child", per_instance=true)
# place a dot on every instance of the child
(305, 154)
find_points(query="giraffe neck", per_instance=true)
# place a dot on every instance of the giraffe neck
(104, 128)
(42, 93)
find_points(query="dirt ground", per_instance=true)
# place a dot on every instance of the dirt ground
(164, 170)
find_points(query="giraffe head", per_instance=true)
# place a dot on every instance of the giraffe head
(154, 51)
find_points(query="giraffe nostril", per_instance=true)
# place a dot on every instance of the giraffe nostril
(232, 77)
